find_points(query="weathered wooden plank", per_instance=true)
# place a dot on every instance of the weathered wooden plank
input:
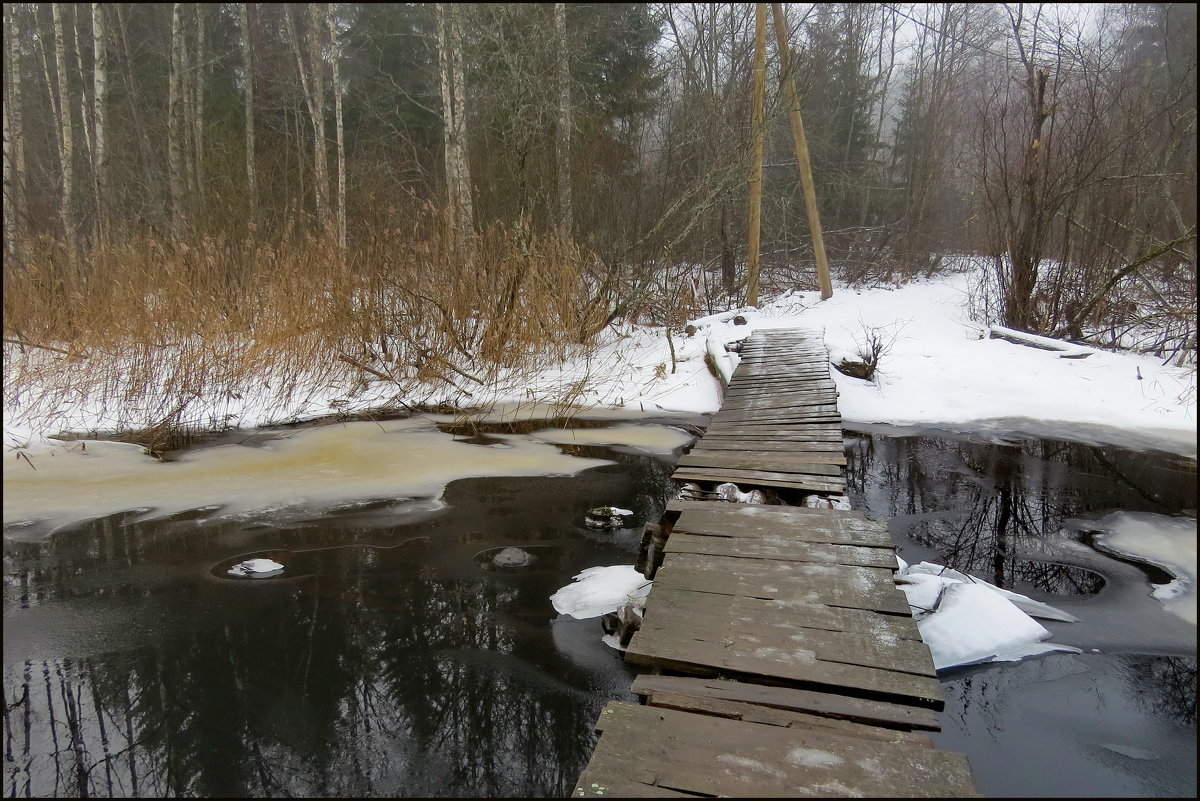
(732, 521)
(777, 419)
(824, 411)
(829, 457)
(753, 713)
(781, 401)
(814, 483)
(831, 705)
(670, 625)
(780, 548)
(794, 613)
(798, 520)
(834, 585)
(837, 448)
(750, 460)
(722, 757)
(610, 775)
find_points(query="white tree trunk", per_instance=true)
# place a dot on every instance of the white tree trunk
(248, 65)
(14, 139)
(99, 92)
(466, 208)
(341, 139)
(66, 151)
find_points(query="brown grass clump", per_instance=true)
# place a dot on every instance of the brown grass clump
(164, 337)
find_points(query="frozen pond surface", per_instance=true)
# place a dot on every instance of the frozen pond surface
(390, 657)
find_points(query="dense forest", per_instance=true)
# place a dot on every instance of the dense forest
(195, 193)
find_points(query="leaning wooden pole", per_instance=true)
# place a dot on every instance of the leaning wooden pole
(756, 123)
(801, 145)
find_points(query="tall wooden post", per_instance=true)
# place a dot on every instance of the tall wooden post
(801, 146)
(756, 123)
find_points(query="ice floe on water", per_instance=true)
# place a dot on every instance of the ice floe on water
(1167, 542)
(965, 620)
(597, 591)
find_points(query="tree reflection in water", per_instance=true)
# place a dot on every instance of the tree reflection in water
(991, 508)
(402, 669)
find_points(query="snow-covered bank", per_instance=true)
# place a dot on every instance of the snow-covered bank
(940, 371)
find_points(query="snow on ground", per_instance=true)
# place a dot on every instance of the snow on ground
(941, 371)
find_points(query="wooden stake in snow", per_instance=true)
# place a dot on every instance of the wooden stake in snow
(801, 146)
(760, 46)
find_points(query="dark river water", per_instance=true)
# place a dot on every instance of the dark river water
(390, 659)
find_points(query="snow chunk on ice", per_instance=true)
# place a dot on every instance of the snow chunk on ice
(255, 567)
(600, 590)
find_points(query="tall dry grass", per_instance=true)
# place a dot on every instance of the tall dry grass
(162, 337)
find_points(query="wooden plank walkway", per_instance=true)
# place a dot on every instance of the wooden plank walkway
(785, 660)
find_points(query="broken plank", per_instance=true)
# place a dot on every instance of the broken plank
(842, 707)
(815, 483)
(753, 713)
(752, 460)
(781, 548)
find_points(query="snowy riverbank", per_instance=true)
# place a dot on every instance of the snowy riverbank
(939, 371)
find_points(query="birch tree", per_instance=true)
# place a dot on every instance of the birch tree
(14, 137)
(335, 58)
(99, 94)
(313, 86)
(66, 141)
(458, 178)
(248, 66)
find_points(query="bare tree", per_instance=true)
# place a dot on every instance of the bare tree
(563, 139)
(174, 110)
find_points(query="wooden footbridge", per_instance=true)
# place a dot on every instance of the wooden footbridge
(784, 660)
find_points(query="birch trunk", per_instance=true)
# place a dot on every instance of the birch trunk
(248, 65)
(563, 140)
(66, 142)
(466, 216)
(341, 137)
(14, 139)
(317, 111)
(99, 93)
(174, 154)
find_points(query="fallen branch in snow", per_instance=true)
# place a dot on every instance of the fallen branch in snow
(24, 344)
(1067, 350)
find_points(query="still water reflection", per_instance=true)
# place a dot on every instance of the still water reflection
(1118, 719)
(386, 660)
